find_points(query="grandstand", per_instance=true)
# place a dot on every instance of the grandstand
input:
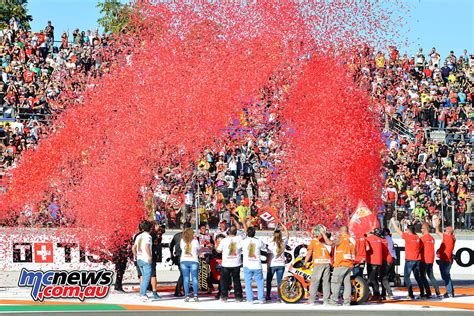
(425, 103)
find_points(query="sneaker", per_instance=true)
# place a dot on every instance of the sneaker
(224, 299)
(261, 302)
(196, 299)
(186, 299)
(391, 297)
(268, 299)
(410, 298)
(144, 298)
(440, 296)
(155, 296)
(239, 300)
(253, 302)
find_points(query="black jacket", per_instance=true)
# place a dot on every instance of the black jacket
(175, 248)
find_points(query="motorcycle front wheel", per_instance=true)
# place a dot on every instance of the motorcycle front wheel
(291, 291)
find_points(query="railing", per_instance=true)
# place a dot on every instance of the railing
(395, 125)
(447, 135)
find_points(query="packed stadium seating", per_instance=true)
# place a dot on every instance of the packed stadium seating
(425, 104)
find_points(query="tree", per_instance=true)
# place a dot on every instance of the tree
(115, 15)
(17, 9)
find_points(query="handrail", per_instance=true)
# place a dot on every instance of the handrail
(399, 127)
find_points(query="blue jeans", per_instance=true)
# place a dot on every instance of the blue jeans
(441, 125)
(412, 266)
(445, 270)
(248, 276)
(358, 269)
(145, 269)
(467, 220)
(426, 271)
(187, 268)
(270, 273)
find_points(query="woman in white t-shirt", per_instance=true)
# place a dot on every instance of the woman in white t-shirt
(189, 262)
(251, 249)
(142, 252)
(276, 258)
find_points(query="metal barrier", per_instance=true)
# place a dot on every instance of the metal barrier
(395, 125)
(447, 135)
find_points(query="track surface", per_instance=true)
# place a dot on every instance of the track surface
(17, 301)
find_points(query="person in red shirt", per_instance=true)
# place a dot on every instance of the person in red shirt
(445, 255)
(374, 262)
(387, 265)
(412, 257)
(427, 259)
(361, 254)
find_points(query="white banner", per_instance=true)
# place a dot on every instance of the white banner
(42, 249)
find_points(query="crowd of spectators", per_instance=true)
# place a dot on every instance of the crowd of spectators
(34, 72)
(229, 183)
(425, 101)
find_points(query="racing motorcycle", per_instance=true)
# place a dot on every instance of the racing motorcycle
(296, 285)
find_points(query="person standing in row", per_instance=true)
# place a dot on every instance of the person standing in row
(156, 237)
(322, 265)
(361, 256)
(251, 249)
(276, 259)
(189, 262)
(142, 251)
(427, 260)
(175, 251)
(374, 262)
(387, 264)
(412, 257)
(445, 255)
(119, 258)
(231, 250)
(344, 257)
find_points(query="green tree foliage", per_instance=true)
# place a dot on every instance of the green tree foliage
(14, 8)
(115, 15)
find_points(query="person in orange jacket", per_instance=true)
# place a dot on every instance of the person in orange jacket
(344, 256)
(322, 265)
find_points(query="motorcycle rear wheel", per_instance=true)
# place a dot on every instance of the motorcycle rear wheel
(360, 290)
(291, 291)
